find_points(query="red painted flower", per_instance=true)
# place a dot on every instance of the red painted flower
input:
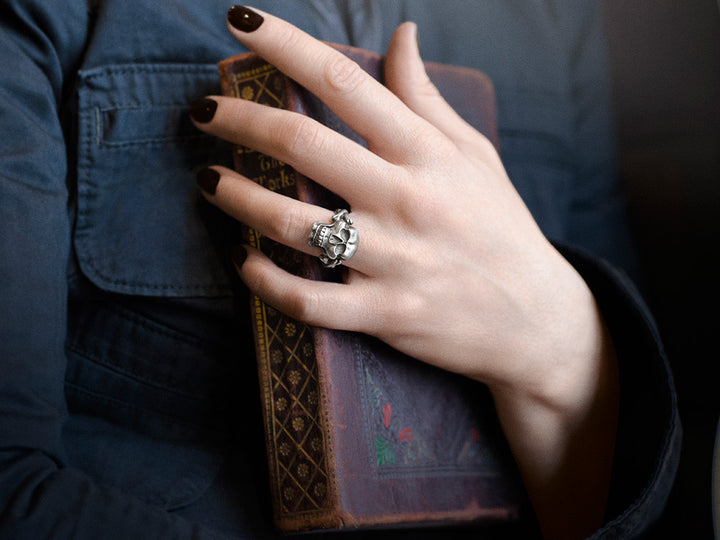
(387, 414)
(406, 435)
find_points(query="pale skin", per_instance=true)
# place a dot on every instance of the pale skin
(452, 269)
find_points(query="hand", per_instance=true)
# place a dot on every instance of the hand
(451, 269)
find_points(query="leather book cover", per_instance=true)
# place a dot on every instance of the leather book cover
(357, 434)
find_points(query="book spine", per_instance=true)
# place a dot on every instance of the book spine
(299, 446)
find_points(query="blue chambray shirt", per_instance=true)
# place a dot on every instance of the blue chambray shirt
(128, 396)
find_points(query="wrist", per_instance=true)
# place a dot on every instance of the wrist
(558, 358)
(560, 418)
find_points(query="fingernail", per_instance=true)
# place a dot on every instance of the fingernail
(244, 19)
(203, 110)
(238, 254)
(207, 180)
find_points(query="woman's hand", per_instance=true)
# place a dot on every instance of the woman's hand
(451, 268)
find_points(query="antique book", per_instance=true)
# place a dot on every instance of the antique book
(358, 434)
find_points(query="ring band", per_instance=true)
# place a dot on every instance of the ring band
(338, 240)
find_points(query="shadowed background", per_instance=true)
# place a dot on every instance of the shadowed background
(665, 62)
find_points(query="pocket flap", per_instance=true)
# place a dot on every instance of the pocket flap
(139, 227)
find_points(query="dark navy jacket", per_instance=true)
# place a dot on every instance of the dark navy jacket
(128, 397)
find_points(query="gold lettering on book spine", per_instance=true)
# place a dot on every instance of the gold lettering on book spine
(288, 369)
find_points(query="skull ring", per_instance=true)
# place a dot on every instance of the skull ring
(338, 240)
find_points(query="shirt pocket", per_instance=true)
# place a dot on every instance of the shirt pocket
(140, 227)
(151, 408)
(536, 148)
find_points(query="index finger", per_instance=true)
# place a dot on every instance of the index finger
(364, 104)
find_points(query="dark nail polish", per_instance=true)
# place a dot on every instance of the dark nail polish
(203, 110)
(244, 19)
(238, 254)
(207, 180)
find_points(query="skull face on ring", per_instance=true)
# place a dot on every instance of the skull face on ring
(338, 240)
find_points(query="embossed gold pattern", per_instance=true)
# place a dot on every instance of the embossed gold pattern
(300, 462)
(285, 347)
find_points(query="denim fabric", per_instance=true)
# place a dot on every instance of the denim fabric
(128, 396)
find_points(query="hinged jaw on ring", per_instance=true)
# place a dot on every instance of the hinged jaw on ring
(338, 240)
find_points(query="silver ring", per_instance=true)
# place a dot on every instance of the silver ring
(338, 240)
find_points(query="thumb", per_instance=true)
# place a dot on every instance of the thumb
(406, 77)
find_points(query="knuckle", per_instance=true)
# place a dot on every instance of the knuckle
(284, 224)
(421, 95)
(257, 280)
(426, 90)
(484, 146)
(343, 75)
(431, 146)
(483, 153)
(287, 42)
(302, 137)
(303, 305)
(439, 146)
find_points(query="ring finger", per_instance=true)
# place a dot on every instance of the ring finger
(282, 218)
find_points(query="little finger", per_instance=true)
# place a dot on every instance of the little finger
(319, 303)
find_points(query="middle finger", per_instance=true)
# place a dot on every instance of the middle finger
(314, 150)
